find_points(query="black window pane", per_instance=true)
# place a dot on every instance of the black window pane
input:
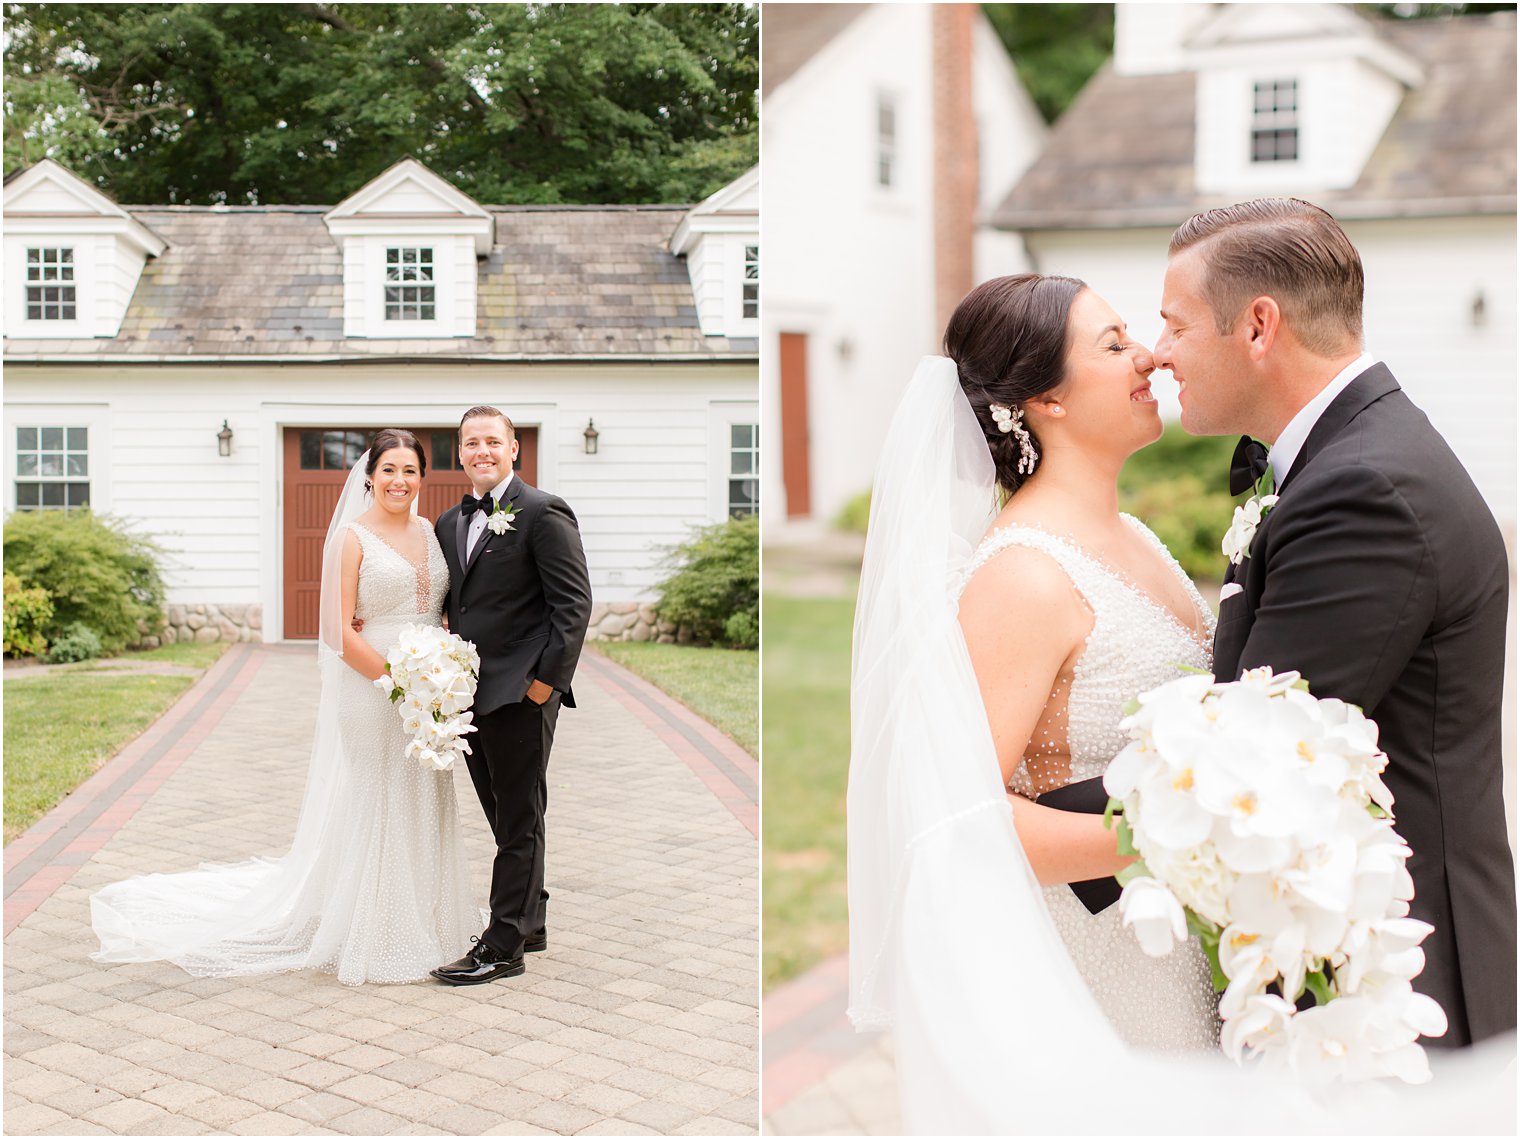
(311, 450)
(79, 493)
(427, 312)
(26, 465)
(66, 255)
(52, 466)
(26, 438)
(33, 256)
(741, 435)
(392, 256)
(743, 496)
(442, 451)
(33, 312)
(78, 466)
(53, 494)
(334, 451)
(79, 438)
(68, 312)
(28, 495)
(52, 438)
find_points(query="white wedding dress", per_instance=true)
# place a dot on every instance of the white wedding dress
(1014, 1011)
(375, 887)
(1162, 1003)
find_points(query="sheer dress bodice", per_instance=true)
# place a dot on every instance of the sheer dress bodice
(1135, 643)
(395, 590)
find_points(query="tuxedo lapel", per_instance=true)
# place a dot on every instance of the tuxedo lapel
(1369, 387)
(486, 536)
(461, 543)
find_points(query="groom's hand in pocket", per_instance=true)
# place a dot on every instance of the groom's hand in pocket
(538, 692)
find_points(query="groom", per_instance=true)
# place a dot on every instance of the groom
(1379, 574)
(518, 588)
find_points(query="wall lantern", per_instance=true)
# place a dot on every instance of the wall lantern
(591, 434)
(1479, 310)
(224, 440)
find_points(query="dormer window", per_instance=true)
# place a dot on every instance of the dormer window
(751, 298)
(50, 283)
(1274, 122)
(409, 289)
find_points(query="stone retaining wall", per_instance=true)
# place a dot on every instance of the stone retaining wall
(630, 621)
(208, 623)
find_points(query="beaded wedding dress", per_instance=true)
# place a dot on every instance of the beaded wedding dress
(1014, 1010)
(375, 887)
(1162, 1003)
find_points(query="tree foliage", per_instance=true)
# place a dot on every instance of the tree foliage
(1056, 48)
(291, 103)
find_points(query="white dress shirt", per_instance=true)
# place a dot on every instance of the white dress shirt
(478, 519)
(1291, 441)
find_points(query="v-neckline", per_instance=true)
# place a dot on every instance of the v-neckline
(1198, 636)
(418, 565)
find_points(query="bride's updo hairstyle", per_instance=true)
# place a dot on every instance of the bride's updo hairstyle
(1008, 340)
(386, 439)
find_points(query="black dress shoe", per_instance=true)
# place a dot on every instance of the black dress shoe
(536, 942)
(481, 964)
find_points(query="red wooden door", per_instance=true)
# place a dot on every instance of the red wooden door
(794, 425)
(316, 465)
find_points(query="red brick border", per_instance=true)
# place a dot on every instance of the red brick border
(734, 767)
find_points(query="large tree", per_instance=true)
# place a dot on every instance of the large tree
(283, 103)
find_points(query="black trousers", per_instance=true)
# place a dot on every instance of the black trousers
(509, 762)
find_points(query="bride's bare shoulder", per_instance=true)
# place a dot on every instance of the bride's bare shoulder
(1017, 579)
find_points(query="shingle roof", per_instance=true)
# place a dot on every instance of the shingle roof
(1122, 155)
(576, 281)
(794, 33)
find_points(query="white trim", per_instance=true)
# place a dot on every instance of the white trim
(96, 417)
(721, 416)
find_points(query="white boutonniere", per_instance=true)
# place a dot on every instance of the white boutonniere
(1237, 540)
(500, 520)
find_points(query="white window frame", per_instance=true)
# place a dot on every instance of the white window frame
(375, 282)
(1275, 117)
(750, 280)
(95, 418)
(401, 281)
(723, 417)
(64, 262)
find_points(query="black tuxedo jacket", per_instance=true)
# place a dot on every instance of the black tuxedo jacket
(1381, 576)
(524, 598)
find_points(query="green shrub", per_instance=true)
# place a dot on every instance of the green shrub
(715, 578)
(742, 631)
(1179, 487)
(854, 515)
(27, 613)
(78, 642)
(96, 572)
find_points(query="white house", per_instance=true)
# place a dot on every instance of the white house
(1405, 130)
(887, 130)
(208, 373)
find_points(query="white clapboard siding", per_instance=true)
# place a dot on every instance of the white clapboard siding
(154, 460)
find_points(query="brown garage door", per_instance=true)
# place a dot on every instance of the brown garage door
(317, 462)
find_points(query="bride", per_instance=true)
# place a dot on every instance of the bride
(375, 887)
(995, 646)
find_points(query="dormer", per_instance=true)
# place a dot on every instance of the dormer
(1291, 98)
(72, 256)
(720, 239)
(410, 243)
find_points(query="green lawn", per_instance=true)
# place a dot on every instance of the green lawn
(188, 653)
(720, 685)
(807, 751)
(60, 728)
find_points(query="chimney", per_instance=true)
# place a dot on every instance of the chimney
(955, 158)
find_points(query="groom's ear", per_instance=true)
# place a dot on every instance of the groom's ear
(1260, 324)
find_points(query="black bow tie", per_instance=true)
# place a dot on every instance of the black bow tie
(1248, 465)
(470, 504)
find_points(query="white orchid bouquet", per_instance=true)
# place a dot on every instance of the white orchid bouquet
(430, 677)
(1264, 828)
